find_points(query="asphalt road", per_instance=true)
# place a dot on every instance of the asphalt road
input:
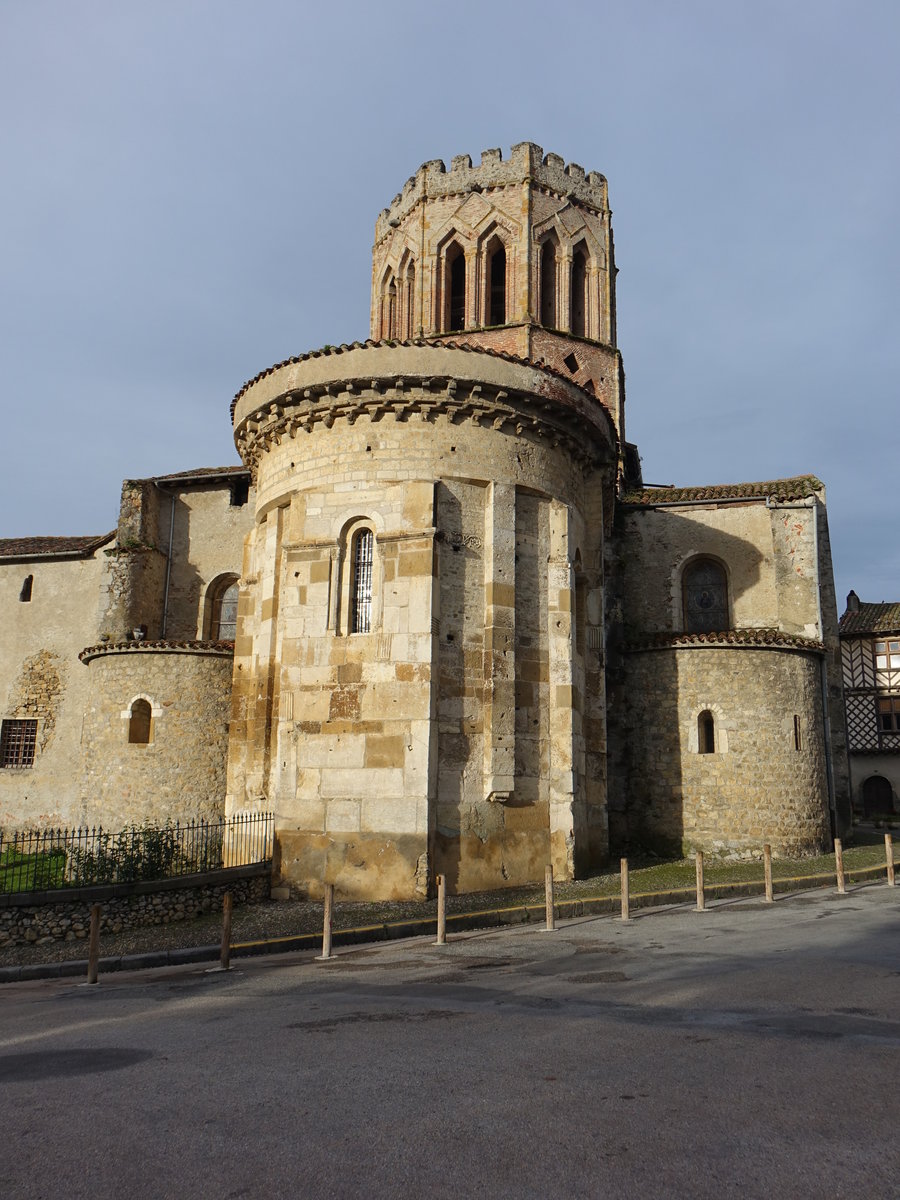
(748, 1051)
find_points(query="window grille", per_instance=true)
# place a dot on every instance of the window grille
(361, 584)
(17, 743)
(705, 597)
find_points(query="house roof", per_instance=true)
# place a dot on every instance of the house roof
(871, 618)
(799, 487)
(198, 473)
(53, 547)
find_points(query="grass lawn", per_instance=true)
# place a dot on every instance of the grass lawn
(31, 872)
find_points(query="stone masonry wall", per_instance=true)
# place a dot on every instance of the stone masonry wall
(391, 755)
(68, 919)
(41, 679)
(181, 772)
(756, 787)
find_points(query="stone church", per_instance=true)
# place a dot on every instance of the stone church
(436, 621)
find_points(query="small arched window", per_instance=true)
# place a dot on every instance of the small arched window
(222, 623)
(548, 282)
(140, 723)
(497, 284)
(456, 277)
(25, 594)
(362, 553)
(704, 589)
(579, 292)
(706, 733)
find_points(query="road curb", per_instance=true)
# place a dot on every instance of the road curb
(388, 931)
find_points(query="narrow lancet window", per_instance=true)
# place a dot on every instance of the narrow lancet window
(497, 314)
(25, 593)
(392, 310)
(456, 264)
(579, 293)
(706, 733)
(362, 550)
(548, 283)
(410, 301)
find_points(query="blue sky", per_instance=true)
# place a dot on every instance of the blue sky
(191, 189)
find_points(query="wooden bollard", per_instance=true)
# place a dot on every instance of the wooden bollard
(548, 894)
(94, 945)
(701, 895)
(441, 911)
(327, 911)
(625, 898)
(839, 866)
(225, 949)
(889, 857)
(767, 867)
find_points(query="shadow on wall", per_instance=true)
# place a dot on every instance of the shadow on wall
(659, 713)
(182, 617)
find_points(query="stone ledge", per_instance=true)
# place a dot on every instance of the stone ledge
(210, 649)
(740, 639)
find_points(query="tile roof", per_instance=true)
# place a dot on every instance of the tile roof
(439, 343)
(53, 547)
(197, 473)
(871, 618)
(800, 487)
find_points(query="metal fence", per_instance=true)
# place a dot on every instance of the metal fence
(35, 860)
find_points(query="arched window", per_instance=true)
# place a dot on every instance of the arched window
(392, 313)
(548, 282)
(706, 733)
(497, 284)
(362, 553)
(140, 723)
(704, 590)
(579, 304)
(223, 606)
(25, 593)
(456, 298)
(410, 300)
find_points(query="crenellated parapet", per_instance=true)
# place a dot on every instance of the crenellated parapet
(526, 163)
(500, 254)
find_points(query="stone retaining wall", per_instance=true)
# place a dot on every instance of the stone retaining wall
(67, 918)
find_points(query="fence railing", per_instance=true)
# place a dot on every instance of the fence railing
(39, 859)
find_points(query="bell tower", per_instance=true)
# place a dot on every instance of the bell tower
(513, 255)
